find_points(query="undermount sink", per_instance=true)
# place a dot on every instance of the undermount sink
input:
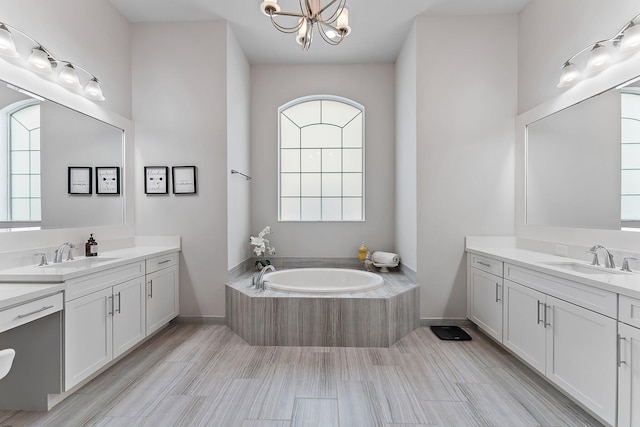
(80, 263)
(583, 268)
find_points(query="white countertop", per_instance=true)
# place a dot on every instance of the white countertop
(623, 283)
(18, 293)
(56, 273)
(22, 284)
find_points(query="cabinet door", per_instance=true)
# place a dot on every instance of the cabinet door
(629, 376)
(524, 327)
(88, 335)
(486, 302)
(128, 316)
(581, 355)
(162, 297)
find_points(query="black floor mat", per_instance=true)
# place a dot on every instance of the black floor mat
(454, 333)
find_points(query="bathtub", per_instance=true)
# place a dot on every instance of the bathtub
(322, 280)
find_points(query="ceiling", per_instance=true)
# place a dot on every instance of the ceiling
(379, 26)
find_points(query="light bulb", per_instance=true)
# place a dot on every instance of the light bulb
(7, 46)
(599, 58)
(302, 31)
(570, 75)
(69, 77)
(39, 60)
(93, 90)
(342, 22)
(631, 38)
(269, 6)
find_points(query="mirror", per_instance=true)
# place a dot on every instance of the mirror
(40, 141)
(583, 163)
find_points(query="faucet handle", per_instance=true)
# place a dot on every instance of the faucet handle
(594, 252)
(70, 252)
(625, 263)
(43, 258)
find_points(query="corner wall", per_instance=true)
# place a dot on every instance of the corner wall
(372, 85)
(466, 105)
(180, 111)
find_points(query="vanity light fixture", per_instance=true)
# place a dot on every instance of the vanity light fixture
(43, 61)
(627, 40)
(333, 29)
(7, 46)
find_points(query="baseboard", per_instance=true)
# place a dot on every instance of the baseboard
(449, 322)
(207, 320)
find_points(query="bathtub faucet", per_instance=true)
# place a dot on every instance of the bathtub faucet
(260, 282)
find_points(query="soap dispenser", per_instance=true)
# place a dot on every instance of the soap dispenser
(91, 247)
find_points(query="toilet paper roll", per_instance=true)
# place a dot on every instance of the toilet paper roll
(387, 258)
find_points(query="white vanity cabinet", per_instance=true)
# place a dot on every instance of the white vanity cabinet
(162, 291)
(104, 323)
(629, 362)
(553, 325)
(485, 294)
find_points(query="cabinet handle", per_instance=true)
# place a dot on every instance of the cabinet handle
(119, 303)
(539, 317)
(620, 361)
(484, 263)
(498, 293)
(164, 262)
(31, 313)
(150, 288)
(545, 316)
(110, 303)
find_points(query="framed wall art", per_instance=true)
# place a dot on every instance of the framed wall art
(108, 180)
(184, 179)
(155, 179)
(79, 180)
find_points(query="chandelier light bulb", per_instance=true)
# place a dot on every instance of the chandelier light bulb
(630, 38)
(7, 46)
(39, 60)
(342, 23)
(599, 57)
(269, 7)
(69, 77)
(570, 75)
(302, 32)
(93, 90)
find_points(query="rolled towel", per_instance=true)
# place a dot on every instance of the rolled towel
(387, 258)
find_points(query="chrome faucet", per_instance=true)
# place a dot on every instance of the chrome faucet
(608, 259)
(260, 282)
(57, 256)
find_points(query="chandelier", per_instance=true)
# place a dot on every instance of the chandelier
(331, 20)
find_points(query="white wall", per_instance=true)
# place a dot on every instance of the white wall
(466, 104)
(405, 154)
(95, 36)
(550, 32)
(372, 86)
(180, 111)
(238, 188)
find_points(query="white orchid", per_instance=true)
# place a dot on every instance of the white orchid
(261, 244)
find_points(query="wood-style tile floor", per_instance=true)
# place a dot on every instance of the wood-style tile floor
(205, 375)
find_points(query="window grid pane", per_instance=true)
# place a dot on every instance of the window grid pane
(321, 173)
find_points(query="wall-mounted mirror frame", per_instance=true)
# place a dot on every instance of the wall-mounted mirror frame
(622, 239)
(23, 78)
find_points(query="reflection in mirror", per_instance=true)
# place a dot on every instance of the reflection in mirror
(39, 140)
(583, 164)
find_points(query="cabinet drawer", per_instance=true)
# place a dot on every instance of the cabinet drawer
(25, 313)
(90, 283)
(160, 262)
(489, 265)
(594, 299)
(629, 310)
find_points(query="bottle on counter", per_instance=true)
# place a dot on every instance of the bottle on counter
(91, 247)
(362, 252)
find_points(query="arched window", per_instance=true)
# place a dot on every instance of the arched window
(321, 160)
(24, 163)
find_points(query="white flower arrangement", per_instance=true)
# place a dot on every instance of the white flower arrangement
(261, 243)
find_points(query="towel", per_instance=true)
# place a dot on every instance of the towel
(386, 258)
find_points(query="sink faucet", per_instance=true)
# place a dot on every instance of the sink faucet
(57, 257)
(260, 281)
(608, 259)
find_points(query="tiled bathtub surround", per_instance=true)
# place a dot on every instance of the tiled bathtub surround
(377, 318)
